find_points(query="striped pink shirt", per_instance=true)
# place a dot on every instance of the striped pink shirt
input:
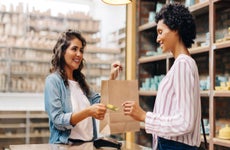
(177, 110)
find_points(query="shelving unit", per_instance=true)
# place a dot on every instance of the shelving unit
(210, 51)
(26, 43)
(98, 64)
(23, 127)
(22, 119)
(117, 40)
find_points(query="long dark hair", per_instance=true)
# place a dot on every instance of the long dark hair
(58, 62)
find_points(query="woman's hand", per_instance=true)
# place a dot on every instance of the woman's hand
(116, 68)
(132, 109)
(98, 111)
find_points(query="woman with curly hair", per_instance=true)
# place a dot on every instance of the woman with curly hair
(175, 120)
(71, 105)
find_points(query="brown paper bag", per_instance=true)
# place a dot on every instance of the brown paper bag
(115, 92)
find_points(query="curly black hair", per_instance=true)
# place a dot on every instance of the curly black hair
(178, 18)
(58, 62)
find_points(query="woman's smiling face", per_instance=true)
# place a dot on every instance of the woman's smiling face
(166, 37)
(73, 55)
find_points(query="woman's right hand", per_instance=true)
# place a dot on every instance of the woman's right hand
(116, 67)
(98, 111)
(131, 108)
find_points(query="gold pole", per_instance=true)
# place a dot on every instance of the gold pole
(130, 52)
(131, 41)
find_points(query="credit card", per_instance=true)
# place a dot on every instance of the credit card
(112, 107)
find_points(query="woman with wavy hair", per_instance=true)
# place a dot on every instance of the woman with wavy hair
(71, 105)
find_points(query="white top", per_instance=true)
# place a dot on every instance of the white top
(177, 110)
(84, 129)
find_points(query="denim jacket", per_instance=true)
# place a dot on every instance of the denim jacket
(59, 108)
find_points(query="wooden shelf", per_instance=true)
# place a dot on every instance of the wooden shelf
(147, 93)
(20, 125)
(12, 136)
(221, 45)
(221, 142)
(19, 74)
(102, 50)
(198, 50)
(39, 125)
(99, 62)
(38, 116)
(9, 12)
(204, 93)
(222, 93)
(148, 59)
(13, 116)
(154, 93)
(147, 26)
(169, 55)
(30, 60)
(28, 48)
(215, 1)
(199, 7)
(29, 124)
(38, 16)
(39, 135)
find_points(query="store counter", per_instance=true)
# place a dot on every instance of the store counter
(84, 146)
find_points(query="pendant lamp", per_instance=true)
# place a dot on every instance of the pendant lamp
(117, 2)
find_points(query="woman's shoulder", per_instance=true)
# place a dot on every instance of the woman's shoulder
(184, 58)
(54, 77)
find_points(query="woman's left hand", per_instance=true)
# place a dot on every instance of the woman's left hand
(116, 68)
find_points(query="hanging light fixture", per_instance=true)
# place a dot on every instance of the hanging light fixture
(117, 2)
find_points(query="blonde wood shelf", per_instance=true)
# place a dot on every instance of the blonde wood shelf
(34, 125)
(29, 124)
(204, 93)
(38, 116)
(20, 125)
(12, 136)
(198, 50)
(98, 62)
(13, 116)
(222, 93)
(200, 7)
(147, 26)
(39, 135)
(102, 50)
(154, 93)
(215, 1)
(147, 93)
(221, 45)
(164, 56)
(148, 59)
(221, 142)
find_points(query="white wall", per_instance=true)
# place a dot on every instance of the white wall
(21, 101)
(112, 17)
